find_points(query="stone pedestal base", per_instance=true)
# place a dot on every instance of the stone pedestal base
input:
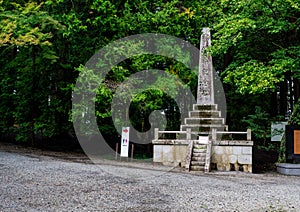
(232, 156)
(288, 169)
(170, 154)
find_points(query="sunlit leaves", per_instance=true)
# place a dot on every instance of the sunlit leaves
(26, 25)
(253, 77)
(261, 37)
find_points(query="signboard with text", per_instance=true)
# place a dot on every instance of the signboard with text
(125, 142)
(296, 141)
(277, 130)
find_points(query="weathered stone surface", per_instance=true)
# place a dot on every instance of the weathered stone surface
(236, 167)
(228, 150)
(245, 168)
(205, 113)
(205, 107)
(216, 158)
(170, 142)
(189, 155)
(240, 143)
(223, 156)
(197, 146)
(170, 155)
(233, 142)
(237, 150)
(205, 91)
(247, 150)
(219, 150)
(225, 159)
(250, 168)
(158, 153)
(202, 158)
(197, 168)
(245, 159)
(198, 163)
(199, 150)
(233, 159)
(220, 167)
(288, 169)
(204, 121)
(221, 143)
(199, 154)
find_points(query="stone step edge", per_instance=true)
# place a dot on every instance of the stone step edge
(208, 105)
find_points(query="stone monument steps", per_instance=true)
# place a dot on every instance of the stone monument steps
(204, 121)
(199, 154)
(198, 163)
(198, 157)
(204, 129)
(205, 114)
(202, 150)
(199, 146)
(197, 168)
(201, 158)
(205, 107)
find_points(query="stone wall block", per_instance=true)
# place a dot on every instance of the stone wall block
(247, 150)
(228, 150)
(233, 159)
(158, 153)
(245, 159)
(237, 150)
(219, 150)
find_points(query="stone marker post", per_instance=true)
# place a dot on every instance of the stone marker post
(205, 91)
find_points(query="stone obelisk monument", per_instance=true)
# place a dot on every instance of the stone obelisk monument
(205, 92)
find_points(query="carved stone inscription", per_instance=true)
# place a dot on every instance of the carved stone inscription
(205, 92)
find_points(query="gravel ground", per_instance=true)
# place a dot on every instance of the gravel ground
(35, 182)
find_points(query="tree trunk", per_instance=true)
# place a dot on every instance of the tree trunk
(33, 102)
(274, 104)
(283, 98)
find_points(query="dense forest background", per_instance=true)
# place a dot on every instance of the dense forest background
(45, 43)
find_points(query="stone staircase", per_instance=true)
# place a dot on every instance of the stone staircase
(198, 157)
(202, 119)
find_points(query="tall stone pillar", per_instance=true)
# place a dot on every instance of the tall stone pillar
(205, 91)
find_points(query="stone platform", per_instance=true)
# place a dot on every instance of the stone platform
(288, 169)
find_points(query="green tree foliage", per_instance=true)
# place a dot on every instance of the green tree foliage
(45, 44)
(27, 60)
(261, 37)
(259, 45)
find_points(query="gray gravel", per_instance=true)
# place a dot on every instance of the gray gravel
(40, 183)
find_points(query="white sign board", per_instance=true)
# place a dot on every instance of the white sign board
(203, 139)
(125, 142)
(277, 130)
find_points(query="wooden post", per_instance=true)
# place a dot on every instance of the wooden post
(117, 149)
(132, 149)
(248, 134)
(188, 134)
(156, 134)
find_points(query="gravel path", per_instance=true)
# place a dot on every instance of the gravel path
(43, 183)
